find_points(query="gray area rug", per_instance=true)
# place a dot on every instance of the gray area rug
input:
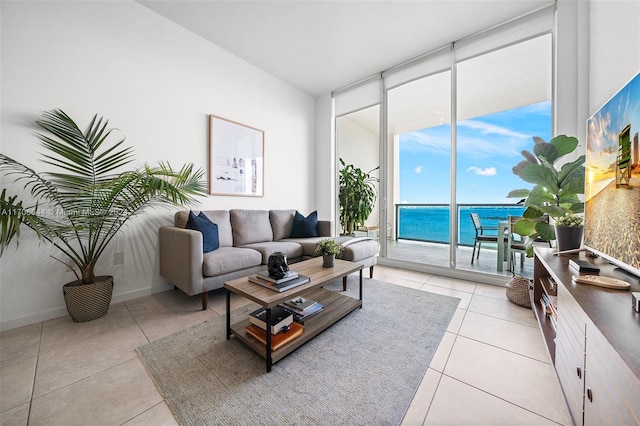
(365, 369)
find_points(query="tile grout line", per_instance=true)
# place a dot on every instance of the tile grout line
(136, 321)
(500, 398)
(85, 378)
(444, 367)
(144, 411)
(534, 326)
(35, 372)
(432, 398)
(503, 349)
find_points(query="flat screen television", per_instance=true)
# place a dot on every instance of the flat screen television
(612, 187)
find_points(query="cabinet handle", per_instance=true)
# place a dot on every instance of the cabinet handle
(589, 395)
(579, 372)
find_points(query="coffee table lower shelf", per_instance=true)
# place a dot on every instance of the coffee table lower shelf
(336, 307)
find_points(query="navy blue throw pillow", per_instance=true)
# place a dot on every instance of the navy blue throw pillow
(305, 226)
(209, 230)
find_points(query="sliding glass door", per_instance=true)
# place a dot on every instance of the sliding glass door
(449, 126)
(357, 138)
(419, 166)
(503, 102)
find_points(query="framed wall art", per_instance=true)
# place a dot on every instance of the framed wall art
(236, 158)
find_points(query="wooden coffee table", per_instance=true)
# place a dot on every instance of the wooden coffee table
(336, 304)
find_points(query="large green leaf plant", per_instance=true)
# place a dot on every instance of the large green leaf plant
(357, 195)
(556, 189)
(82, 204)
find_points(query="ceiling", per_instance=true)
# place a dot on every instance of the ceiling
(321, 46)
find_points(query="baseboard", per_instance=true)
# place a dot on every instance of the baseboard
(475, 276)
(33, 318)
(62, 311)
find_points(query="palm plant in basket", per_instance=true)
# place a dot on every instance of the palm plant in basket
(82, 204)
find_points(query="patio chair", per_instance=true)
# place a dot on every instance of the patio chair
(516, 244)
(481, 237)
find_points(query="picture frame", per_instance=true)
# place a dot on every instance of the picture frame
(236, 158)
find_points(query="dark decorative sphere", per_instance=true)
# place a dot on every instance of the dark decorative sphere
(277, 265)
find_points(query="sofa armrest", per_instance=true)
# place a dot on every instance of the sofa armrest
(324, 228)
(181, 258)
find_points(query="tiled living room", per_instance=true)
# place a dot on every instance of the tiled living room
(158, 71)
(491, 366)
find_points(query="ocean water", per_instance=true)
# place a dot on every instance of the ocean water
(431, 223)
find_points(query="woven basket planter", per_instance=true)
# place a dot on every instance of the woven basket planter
(86, 302)
(518, 291)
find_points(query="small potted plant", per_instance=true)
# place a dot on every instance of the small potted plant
(328, 249)
(569, 230)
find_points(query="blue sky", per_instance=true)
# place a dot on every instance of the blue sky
(488, 147)
(606, 124)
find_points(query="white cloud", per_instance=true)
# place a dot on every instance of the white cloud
(491, 129)
(418, 170)
(489, 171)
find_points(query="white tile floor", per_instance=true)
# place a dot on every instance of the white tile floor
(491, 367)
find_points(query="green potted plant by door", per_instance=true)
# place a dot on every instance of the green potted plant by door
(357, 195)
(555, 193)
(85, 200)
(328, 249)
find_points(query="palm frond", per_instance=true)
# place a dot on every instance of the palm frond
(76, 152)
(92, 199)
(39, 187)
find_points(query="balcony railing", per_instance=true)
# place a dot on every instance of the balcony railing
(430, 222)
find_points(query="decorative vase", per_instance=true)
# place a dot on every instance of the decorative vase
(86, 302)
(569, 237)
(327, 260)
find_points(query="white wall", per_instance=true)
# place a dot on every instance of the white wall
(598, 52)
(325, 171)
(158, 83)
(614, 49)
(571, 70)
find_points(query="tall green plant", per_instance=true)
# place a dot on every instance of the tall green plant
(556, 191)
(357, 195)
(82, 204)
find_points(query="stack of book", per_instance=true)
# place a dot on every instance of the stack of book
(280, 319)
(283, 329)
(302, 308)
(550, 303)
(290, 280)
(277, 340)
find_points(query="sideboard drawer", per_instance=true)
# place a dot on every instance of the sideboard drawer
(611, 389)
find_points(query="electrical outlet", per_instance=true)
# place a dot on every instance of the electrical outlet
(118, 258)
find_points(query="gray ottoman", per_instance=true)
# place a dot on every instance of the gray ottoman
(359, 249)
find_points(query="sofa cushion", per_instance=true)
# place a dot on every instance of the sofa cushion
(208, 229)
(292, 249)
(229, 259)
(304, 227)
(219, 217)
(281, 223)
(250, 226)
